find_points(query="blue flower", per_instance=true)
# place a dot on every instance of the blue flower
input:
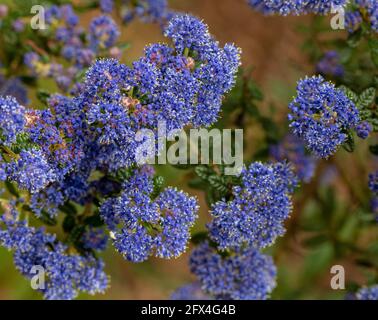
(371, 6)
(14, 87)
(147, 11)
(12, 120)
(66, 274)
(364, 129)
(95, 239)
(31, 171)
(191, 291)
(103, 32)
(353, 20)
(293, 150)
(321, 115)
(141, 225)
(330, 65)
(258, 210)
(368, 293)
(373, 182)
(106, 6)
(295, 7)
(244, 275)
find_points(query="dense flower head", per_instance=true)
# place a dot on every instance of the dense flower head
(244, 275)
(189, 33)
(155, 11)
(14, 87)
(12, 119)
(72, 154)
(212, 66)
(321, 115)
(95, 239)
(31, 171)
(367, 8)
(259, 208)
(18, 25)
(364, 129)
(373, 182)
(78, 46)
(103, 32)
(292, 149)
(106, 6)
(353, 20)
(66, 275)
(164, 85)
(330, 65)
(295, 7)
(142, 226)
(368, 293)
(191, 291)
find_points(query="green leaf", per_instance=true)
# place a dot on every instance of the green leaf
(373, 44)
(367, 97)
(374, 149)
(315, 241)
(349, 144)
(69, 223)
(203, 172)
(43, 96)
(158, 186)
(68, 208)
(351, 95)
(76, 234)
(197, 183)
(354, 39)
(12, 189)
(199, 237)
(94, 221)
(219, 183)
(47, 219)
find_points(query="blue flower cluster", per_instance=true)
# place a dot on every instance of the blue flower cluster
(244, 275)
(330, 65)
(259, 208)
(295, 7)
(152, 11)
(142, 226)
(103, 33)
(211, 69)
(322, 115)
(366, 10)
(373, 186)
(191, 291)
(229, 265)
(76, 46)
(12, 120)
(31, 171)
(95, 239)
(13, 86)
(71, 154)
(291, 149)
(368, 293)
(364, 129)
(96, 129)
(65, 275)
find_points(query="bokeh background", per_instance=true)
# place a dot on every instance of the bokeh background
(273, 49)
